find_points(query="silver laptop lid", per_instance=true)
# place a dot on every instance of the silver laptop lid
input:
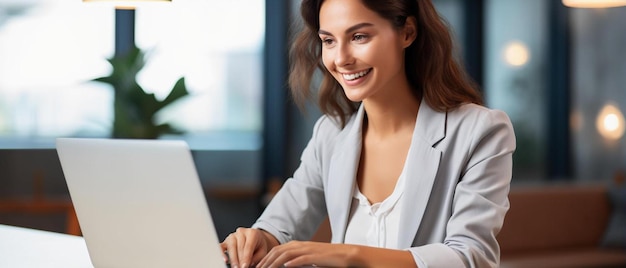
(139, 203)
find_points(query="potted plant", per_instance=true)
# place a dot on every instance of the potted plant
(134, 108)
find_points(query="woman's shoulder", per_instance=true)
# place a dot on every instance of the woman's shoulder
(471, 113)
(328, 126)
(474, 122)
(329, 132)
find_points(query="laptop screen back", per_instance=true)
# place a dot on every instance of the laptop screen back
(139, 203)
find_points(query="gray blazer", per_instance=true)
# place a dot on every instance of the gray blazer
(458, 176)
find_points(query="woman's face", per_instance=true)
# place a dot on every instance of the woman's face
(362, 50)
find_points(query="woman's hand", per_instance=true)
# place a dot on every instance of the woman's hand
(298, 253)
(247, 246)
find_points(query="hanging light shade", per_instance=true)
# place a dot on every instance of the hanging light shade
(127, 1)
(125, 4)
(594, 3)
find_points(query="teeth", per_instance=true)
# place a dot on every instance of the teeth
(351, 77)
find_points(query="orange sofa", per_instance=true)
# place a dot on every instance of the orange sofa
(558, 226)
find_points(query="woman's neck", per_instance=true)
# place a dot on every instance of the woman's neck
(394, 114)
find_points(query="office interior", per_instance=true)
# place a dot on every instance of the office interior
(558, 72)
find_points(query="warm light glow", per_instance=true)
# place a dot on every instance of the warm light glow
(610, 122)
(127, 1)
(576, 121)
(594, 3)
(126, 4)
(516, 54)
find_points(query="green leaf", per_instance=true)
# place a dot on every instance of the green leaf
(134, 109)
(178, 91)
(106, 79)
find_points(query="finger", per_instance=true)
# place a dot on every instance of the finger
(251, 246)
(224, 249)
(242, 237)
(301, 261)
(268, 258)
(289, 255)
(258, 256)
(231, 247)
(297, 253)
(274, 257)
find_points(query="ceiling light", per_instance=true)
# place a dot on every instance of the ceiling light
(594, 3)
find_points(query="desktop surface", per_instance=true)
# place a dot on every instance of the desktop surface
(30, 248)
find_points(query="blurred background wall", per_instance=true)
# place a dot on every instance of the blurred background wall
(558, 72)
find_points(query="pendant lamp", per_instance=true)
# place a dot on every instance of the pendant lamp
(125, 4)
(594, 3)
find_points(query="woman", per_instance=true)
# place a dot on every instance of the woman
(409, 168)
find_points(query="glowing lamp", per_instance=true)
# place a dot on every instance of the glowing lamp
(610, 122)
(125, 4)
(594, 3)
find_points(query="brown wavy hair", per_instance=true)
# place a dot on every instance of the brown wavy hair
(430, 67)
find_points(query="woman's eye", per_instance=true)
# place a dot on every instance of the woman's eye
(359, 37)
(327, 41)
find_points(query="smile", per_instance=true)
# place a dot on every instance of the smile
(354, 76)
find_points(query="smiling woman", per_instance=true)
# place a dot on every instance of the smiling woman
(407, 165)
(372, 51)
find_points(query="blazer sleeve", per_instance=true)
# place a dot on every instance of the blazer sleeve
(299, 207)
(480, 200)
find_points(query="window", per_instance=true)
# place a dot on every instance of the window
(598, 92)
(452, 12)
(50, 49)
(515, 64)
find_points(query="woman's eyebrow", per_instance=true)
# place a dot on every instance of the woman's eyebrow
(349, 30)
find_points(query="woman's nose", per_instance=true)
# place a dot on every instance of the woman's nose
(344, 55)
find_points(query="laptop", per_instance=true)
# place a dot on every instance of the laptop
(139, 203)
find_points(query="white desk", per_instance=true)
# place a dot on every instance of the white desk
(22, 248)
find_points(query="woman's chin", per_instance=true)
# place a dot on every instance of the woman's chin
(353, 94)
(355, 98)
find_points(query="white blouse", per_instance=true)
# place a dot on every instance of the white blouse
(375, 225)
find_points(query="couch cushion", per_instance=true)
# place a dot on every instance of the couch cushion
(615, 235)
(576, 258)
(554, 217)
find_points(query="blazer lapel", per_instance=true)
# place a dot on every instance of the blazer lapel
(422, 165)
(341, 177)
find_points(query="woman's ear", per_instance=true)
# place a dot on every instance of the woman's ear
(410, 31)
